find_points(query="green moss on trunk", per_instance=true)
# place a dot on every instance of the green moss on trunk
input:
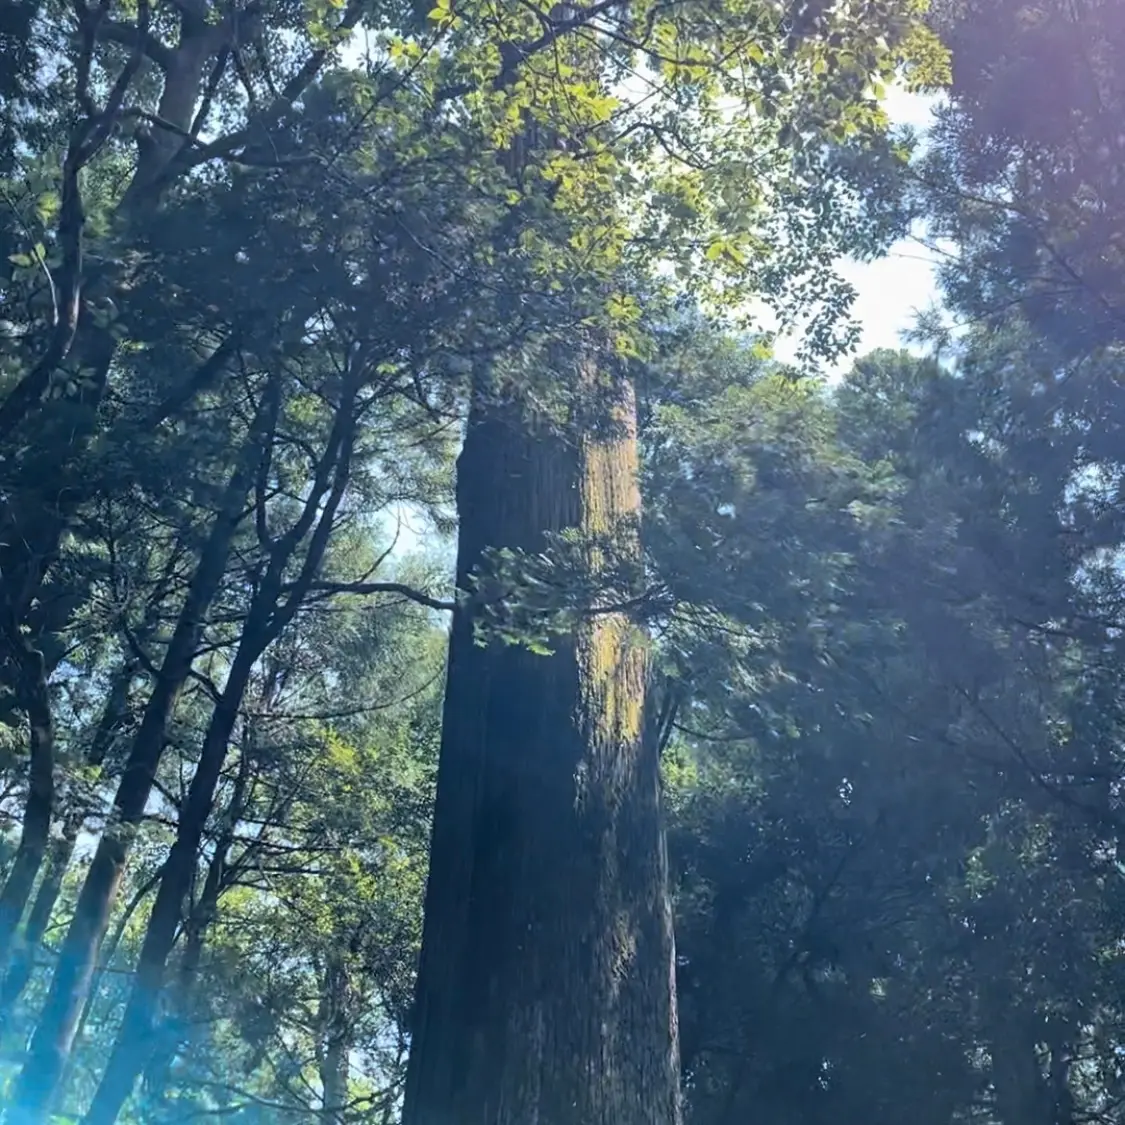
(546, 991)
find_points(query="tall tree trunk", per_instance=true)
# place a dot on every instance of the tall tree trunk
(39, 918)
(167, 1039)
(106, 956)
(28, 547)
(50, 1045)
(182, 87)
(546, 988)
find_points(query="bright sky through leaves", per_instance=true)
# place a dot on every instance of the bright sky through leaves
(893, 289)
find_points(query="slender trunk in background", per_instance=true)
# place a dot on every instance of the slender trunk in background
(39, 917)
(28, 547)
(59, 856)
(74, 331)
(51, 1043)
(264, 623)
(106, 955)
(167, 1039)
(133, 1045)
(546, 986)
(35, 833)
(335, 1041)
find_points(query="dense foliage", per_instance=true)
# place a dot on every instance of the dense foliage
(262, 265)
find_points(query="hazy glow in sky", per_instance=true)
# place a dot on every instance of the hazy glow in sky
(893, 289)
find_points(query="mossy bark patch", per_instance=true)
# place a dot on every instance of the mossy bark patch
(546, 990)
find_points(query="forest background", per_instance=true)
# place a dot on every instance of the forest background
(760, 755)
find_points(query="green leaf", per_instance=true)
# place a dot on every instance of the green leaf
(47, 206)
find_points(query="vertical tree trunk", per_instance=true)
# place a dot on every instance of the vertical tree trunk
(36, 830)
(264, 623)
(335, 1041)
(39, 918)
(106, 955)
(156, 1056)
(60, 853)
(133, 1045)
(26, 554)
(51, 1043)
(546, 987)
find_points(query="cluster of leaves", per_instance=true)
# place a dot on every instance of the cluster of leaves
(894, 781)
(896, 799)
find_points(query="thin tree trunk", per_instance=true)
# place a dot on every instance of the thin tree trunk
(26, 554)
(39, 918)
(336, 1041)
(200, 920)
(183, 82)
(36, 830)
(334, 1081)
(131, 1049)
(60, 853)
(109, 949)
(264, 622)
(50, 1045)
(546, 987)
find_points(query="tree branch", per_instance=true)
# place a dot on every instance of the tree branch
(293, 89)
(86, 139)
(400, 588)
(128, 35)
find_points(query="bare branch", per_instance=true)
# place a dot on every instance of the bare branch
(227, 146)
(400, 588)
(130, 35)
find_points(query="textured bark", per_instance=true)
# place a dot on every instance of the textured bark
(54, 1035)
(546, 988)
